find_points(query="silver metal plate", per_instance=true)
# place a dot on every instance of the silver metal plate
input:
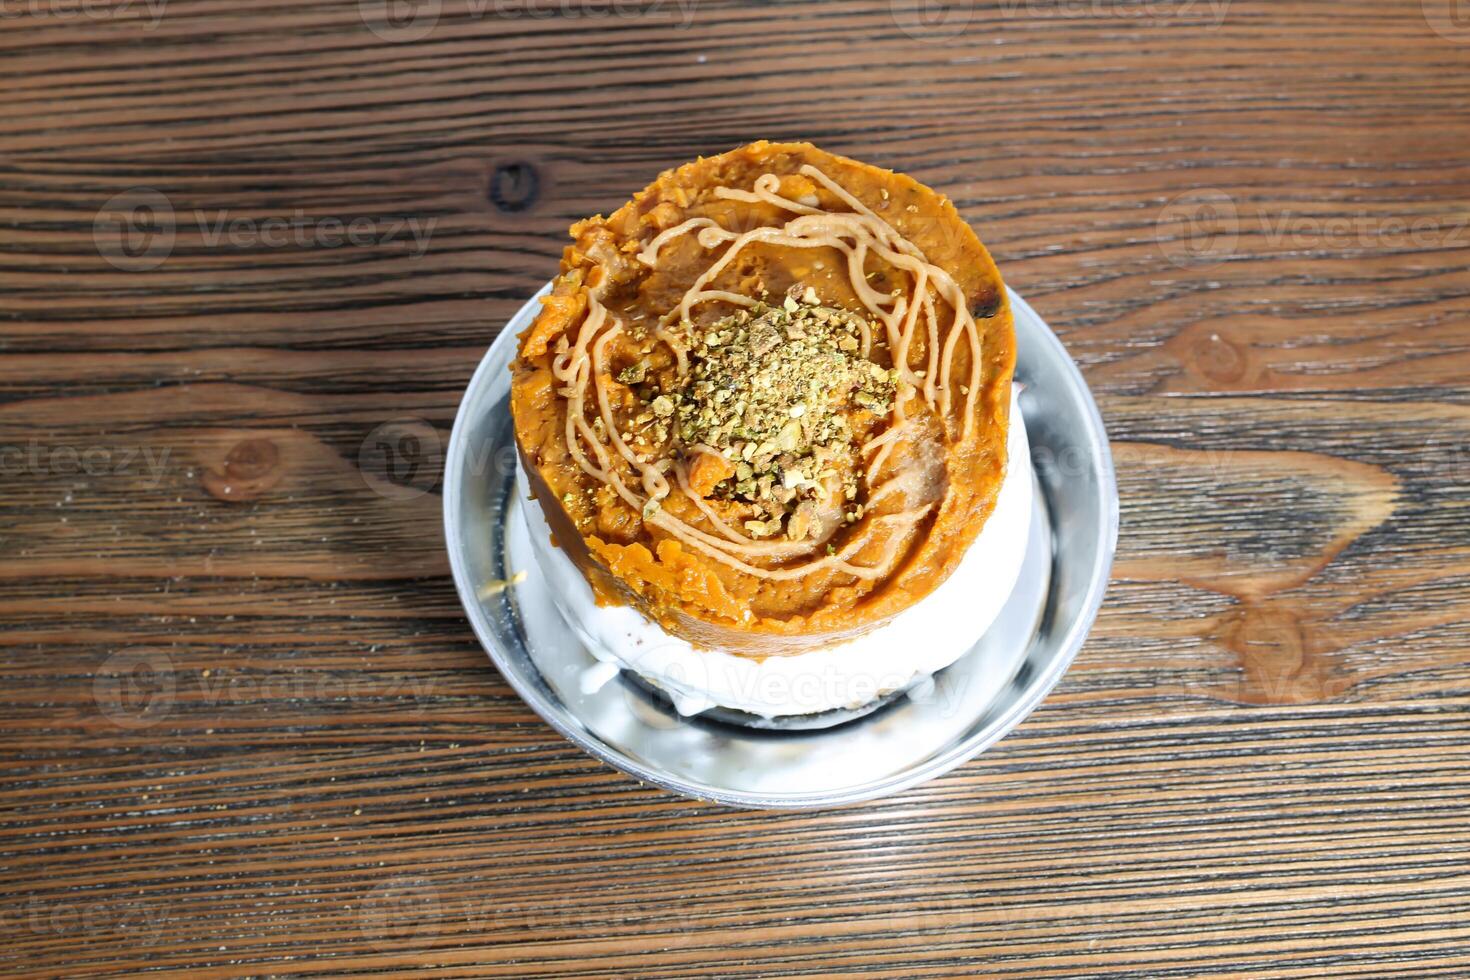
(919, 735)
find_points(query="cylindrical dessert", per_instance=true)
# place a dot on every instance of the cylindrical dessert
(766, 404)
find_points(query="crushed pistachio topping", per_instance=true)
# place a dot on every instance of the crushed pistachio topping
(774, 389)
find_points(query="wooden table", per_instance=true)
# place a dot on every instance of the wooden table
(245, 728)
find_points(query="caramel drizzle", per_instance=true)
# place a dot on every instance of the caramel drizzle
(857, 234)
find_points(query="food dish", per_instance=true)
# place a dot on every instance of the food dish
(926, 731)
(766, 410)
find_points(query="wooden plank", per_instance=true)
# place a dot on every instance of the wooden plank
(1249, 221)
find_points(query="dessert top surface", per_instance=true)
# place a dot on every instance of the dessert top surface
(770, 393)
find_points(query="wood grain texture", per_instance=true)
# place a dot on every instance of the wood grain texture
(244, 728)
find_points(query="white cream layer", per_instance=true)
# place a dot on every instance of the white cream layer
(927, 637)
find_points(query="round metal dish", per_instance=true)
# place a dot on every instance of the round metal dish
(922, 733)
